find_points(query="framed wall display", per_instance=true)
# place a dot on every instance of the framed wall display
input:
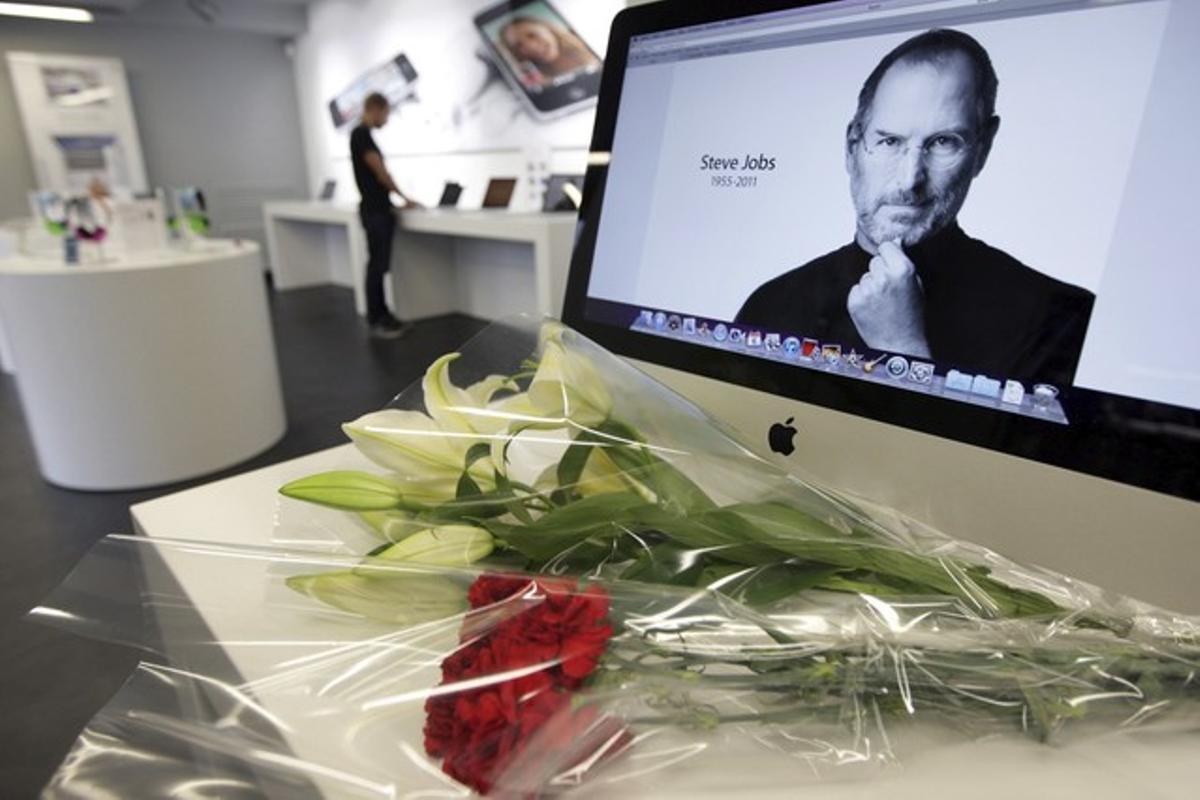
(78, 121)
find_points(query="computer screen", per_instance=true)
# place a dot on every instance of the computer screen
(978, 204)
(499, 192)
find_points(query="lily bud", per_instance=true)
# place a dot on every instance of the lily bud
(391, 597)
(443, 546)
(392, 526)
(348, 490)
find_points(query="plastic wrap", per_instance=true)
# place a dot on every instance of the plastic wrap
(544, 572)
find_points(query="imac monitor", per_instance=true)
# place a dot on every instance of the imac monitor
(934, 252)
(499, 192)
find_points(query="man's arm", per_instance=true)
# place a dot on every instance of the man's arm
(374, 162)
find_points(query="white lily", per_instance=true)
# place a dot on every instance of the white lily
(600, 475)
(416, 446)
(566, 392)
(432, 449)
(567, 386)
(551, 330)
(457, 409)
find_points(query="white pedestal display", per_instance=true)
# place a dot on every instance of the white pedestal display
(145, 371)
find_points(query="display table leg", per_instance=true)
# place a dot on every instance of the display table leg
(423, 275)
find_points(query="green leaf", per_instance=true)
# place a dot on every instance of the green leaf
(774, 582)
(347, 490)
(467, 487)
(470, 508)
(666, 563)
(719, 571)
(801, 535)
(753, 585)
(571, 465)
(504, 488)
(674, 490)
(698, 533)
(856, 582)
(567, 526)
(476, 452)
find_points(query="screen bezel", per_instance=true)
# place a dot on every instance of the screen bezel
(1140, 443)
(581, 90)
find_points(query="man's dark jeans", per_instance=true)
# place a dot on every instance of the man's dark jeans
(381, 228)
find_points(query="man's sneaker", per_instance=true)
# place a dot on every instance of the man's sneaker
(389, 328)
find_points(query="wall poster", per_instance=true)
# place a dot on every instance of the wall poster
(477, 75)
(78, 121)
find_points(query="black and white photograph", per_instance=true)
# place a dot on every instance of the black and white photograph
(913, 282)
(949, 193)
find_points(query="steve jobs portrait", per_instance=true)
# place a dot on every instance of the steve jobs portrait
(913, 282)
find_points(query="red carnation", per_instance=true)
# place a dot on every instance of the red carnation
(490, 589)
(546, 636)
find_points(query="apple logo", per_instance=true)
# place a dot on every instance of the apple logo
(780, 437)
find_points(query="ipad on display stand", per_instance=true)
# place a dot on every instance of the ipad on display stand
(933, 253)
(450, 194)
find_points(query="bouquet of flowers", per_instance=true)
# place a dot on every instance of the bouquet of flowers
(576, 579)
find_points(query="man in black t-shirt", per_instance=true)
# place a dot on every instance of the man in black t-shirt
(375, 211)
(912, 282)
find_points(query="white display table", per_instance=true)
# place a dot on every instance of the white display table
(487, 263)
(143, 371)
(242, 511)
(312, 244)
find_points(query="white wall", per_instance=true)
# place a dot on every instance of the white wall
(347, 37)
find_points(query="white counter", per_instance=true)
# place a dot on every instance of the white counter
(242, 511)
(143, 371)
(487, 263)
(312, 243)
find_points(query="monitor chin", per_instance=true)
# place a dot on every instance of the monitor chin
(1032, 513)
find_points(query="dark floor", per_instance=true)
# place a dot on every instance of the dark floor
(51, 683)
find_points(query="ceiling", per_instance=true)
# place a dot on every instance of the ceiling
(283, 18)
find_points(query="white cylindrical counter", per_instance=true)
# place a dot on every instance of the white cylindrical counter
(144, 371)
